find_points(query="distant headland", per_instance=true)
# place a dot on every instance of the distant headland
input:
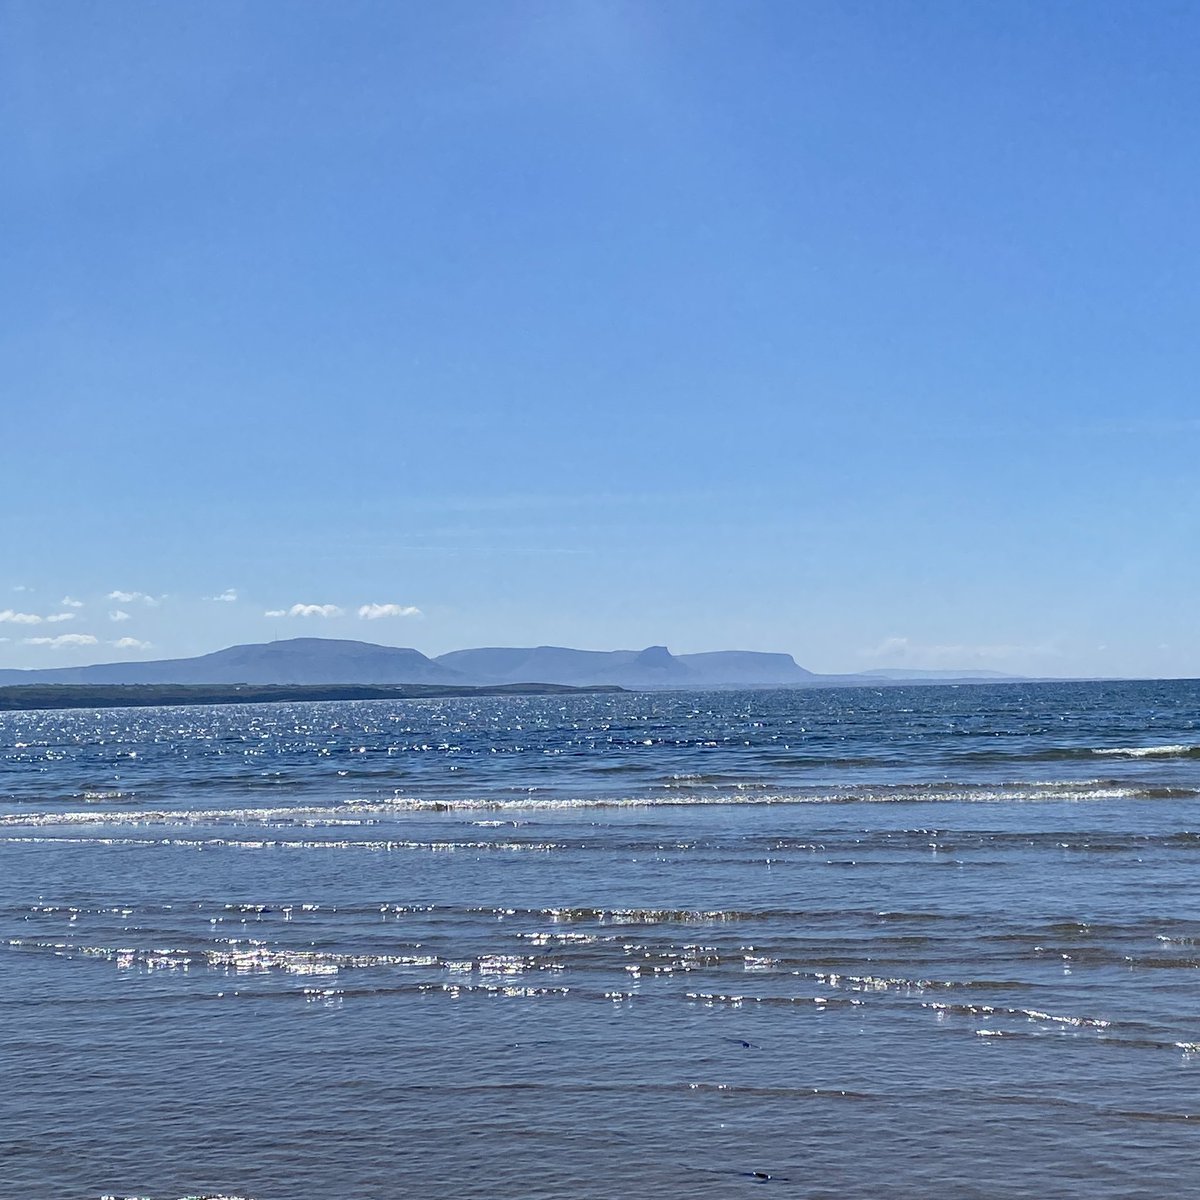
(335, 667)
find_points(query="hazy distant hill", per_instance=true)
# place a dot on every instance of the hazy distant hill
(317, 661)
(748, 668)
(504, 664)
(298, 660)
(654, 667)
(914, 674)
(334, 661)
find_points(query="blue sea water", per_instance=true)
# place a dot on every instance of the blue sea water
(825, 942)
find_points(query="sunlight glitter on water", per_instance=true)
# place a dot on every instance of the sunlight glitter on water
(722, 936)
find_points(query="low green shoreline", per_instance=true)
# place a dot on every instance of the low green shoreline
(147, 695)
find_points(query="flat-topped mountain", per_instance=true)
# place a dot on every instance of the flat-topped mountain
(312, 661)
(335, 661)
(654, 667)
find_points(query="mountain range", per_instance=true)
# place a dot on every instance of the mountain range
(336, 661)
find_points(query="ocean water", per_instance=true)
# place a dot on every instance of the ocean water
(937, 940)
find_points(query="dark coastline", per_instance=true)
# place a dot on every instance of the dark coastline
(28, 697)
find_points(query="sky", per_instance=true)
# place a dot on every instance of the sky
(863, 331)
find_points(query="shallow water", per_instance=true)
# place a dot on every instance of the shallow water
(826, 942)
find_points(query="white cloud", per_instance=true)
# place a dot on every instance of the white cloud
(24, 618)
(22, 587)
(305, 610)
(130, 643)
(20, 618)
(63, 639)
(228, 596)
(372, 612)
(69, 602)
(118, 614)
(130, 597)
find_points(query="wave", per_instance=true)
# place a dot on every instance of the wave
(859, 852)
(1013, 754)
(204, 1196)
(367, 813)
(1175, 751)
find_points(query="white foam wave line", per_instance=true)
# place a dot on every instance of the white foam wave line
(1030, 1014)
(205, 1196)
(245, 957)
(875, 983)
(335, 816)
(375, 844)
(1175, 751)
(1033, 792)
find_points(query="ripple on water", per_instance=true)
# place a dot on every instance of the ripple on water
(567, 946)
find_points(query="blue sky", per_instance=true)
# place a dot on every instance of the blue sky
(864, 331)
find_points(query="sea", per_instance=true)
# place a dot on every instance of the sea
(937, 940)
